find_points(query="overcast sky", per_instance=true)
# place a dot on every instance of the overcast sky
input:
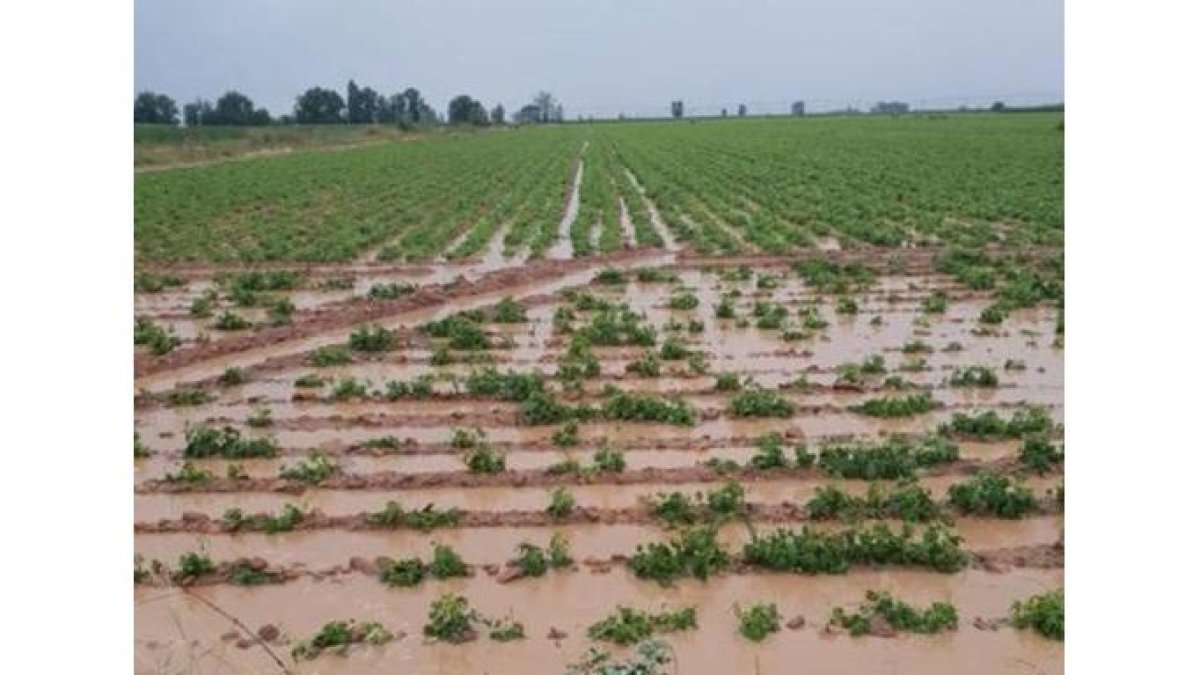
(606, 56)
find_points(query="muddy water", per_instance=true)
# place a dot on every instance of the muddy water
(562, 249)
(216, 366)
(149, 508)
(572, 602)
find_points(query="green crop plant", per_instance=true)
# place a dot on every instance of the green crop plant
(833, 552)
(938, 617)
(613, 276)
(846, 306)
(559, 552)
(531, 560)
(203, 441)
(419, 388)
(193, 565)
(890, 459)
(189, 473)
(1045, 613)
(390, 291)
(916, 347)
(608, 460)
(693, 553)
(232, 376)
(407, 572)
(631, 407)
(286, 521)
(509, 311)
(313, 469)
(309, 381)
(760, 403)
(425, 519)
(683, 300)
(974, 376)
(372, 339)
(148, 282)
(905, 406)
(757, 622)
(655, 275)
(382, 442)
(140, 451)
(505, 630)
(908, 501)
(330, 355)
(646, 365)
(243, 573)
(729, 382)
(831, 277)
(992, 495)
(627, 626)
(483, 459)
(350, 388)
(935, 304)
(542, 408)
(727, 500)
(770, 453)
(509, 386)
(186, 397)
(202, 307)
(567, 436)
(228, 321)
(1040, 455)
(450, 619)
(281, 311)
(446, 563)
(337, 634)
(725, 308)
(159, 340)
(989, 425)
(674, 350)
(675, 509)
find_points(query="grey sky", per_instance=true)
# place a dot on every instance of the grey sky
(603, 57)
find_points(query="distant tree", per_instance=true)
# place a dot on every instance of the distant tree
(741, 110)
(391, 109)
(465, 110)
(196, 112)
(530, 113)
(498, 114)
(319, 106)
(558, 113)
(724, 112)
(151, 108)
(232, 109)
(889, 108)
(998, 106)
(798, 108)
(546, 106)
(416, 110)
(372, 105)
(676, 109)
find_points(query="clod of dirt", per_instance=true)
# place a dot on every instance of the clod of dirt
(364, 566)
(880, 627)
(510, 574)
(987, 624)
(245, 643)
(796, 623)
(229, 636)
(258, 564)
(556, 634)
(268, 632)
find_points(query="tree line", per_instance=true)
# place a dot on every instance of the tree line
(318, 105)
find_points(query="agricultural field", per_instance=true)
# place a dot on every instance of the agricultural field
(720, 397)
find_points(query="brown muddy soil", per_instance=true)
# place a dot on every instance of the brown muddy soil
(326, 568)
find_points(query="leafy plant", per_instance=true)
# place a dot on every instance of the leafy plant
(193, 565)
(390, 291)
(1044, 613)
(446, 563)
(228, 321)
(646, 365)
(644, 408)
(608, 460)
(938, 617)
(989, 494)
(372, 339)
(232, 376)
(683, 300)
(204, 441)
(758, 622)
(693, 553)
(890, 459)
(627, 626)
(312, 470)
(974, 376)
(614, 276)
(1040, 455)
(450, 619)
(760, 403)
(348, 388)
(419, 388)
(407, 572)
(329, 355)
(905, 406)
(160, 341)
(261, 417)
(813, 551)
(509, 311)
(990, 426)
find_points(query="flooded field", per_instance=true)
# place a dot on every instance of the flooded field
(588, 409)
